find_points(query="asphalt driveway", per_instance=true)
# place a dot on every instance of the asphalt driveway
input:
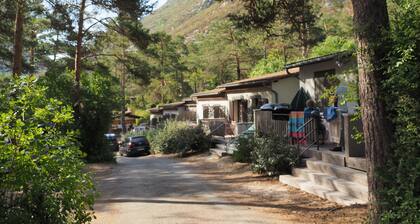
(162, 190)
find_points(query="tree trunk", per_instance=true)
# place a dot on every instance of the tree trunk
(122, 82)
(78, 55)
(304, 37)
(18, 39)
(238, 66)
(371, 24)
(32, 49)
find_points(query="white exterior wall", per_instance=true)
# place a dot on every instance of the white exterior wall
(247, 96)
(170, 112)
(306, 75)
(201, 104)
(286, 89)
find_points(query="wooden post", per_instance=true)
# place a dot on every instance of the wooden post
(18, 38)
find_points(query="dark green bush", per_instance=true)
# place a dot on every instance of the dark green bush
(99, 97)
(244, 146)
(401, 196)
(273, 155)
(41, 173)
(178, 137)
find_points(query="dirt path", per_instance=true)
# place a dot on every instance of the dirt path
(203, 189)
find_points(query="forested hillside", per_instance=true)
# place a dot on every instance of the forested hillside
(188, 17)
(202, 45)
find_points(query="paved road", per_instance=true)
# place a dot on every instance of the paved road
(161, 190)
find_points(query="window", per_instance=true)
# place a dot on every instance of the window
(219, 112)
(216, 111)
(206, 112)
(243, 111)
(258, 102)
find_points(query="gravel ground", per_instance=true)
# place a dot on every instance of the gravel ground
(204, 189)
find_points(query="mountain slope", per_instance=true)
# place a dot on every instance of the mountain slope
(188, 17)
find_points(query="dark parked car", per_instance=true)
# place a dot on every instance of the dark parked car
(135, 146)
(112, 141)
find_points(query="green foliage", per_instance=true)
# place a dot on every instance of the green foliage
(100, 97)
(225, 52)
(178, 137)
(330, 93)
(336, 18)
(244, 147)
(41, 177)
(333, 44)
(144, 116)
(273, 155)
(270, 154)
(401, 196)
(273, 63)
(350, 96)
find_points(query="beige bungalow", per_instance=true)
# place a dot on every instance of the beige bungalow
(232, 104)
(244, 96)
(212, 109)
(336, 169)
(184, 110)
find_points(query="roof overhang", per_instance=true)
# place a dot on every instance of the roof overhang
(320, 59)
(262, 80)
(210, 93)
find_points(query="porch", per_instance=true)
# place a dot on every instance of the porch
(334, 170)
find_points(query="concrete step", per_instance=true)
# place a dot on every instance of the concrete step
(221, 146)
(336, 158)
(218, 152)
(230, 148)
(218, 139)
(345, 173)
(323, 192)
(333, 183)
(357, 163)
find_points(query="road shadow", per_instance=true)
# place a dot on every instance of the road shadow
(295, 206)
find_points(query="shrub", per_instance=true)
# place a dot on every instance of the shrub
(244, 147)
(41, 177)
(401, 175)
(273, 63)
(273, 155)
(178, 137)
(333, 44)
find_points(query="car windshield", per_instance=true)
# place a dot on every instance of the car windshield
(138, 139)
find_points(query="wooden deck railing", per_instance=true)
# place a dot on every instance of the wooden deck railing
(265, 124)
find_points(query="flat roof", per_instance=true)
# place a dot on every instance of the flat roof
(213, 92)
(319, 59)
(172, 105)
(155, 110)
(261, 79)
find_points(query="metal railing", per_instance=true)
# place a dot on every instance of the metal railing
(310, 129)
(216, 129)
